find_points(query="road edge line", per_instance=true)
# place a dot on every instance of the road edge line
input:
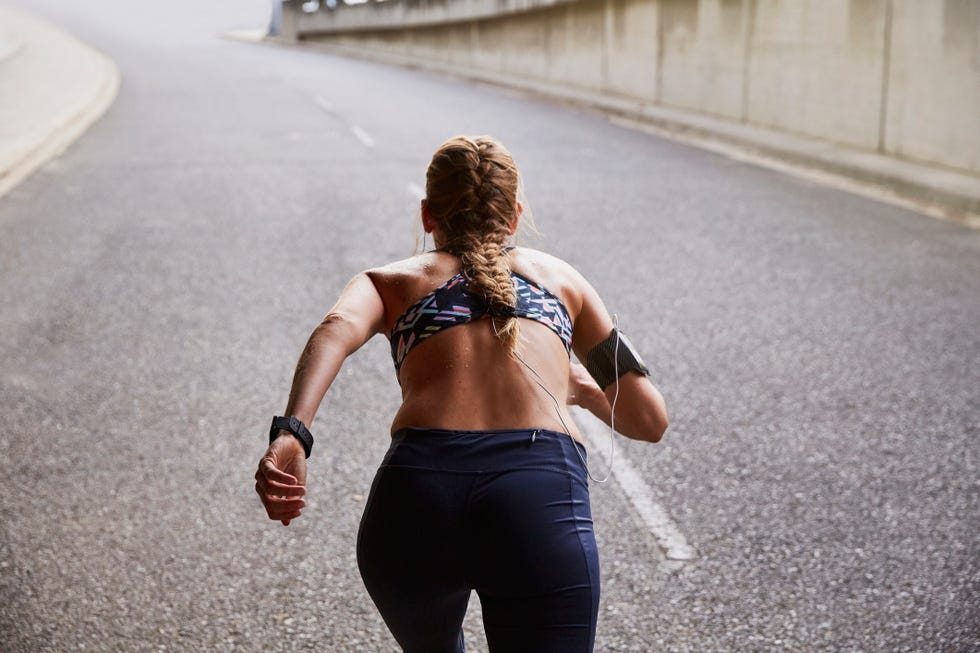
(655, 517)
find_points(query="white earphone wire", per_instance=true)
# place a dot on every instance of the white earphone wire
(612, 414)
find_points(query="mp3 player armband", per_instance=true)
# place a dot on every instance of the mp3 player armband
(606, 359)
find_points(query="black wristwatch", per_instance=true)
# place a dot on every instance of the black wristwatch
(294, 426)
(606, 359)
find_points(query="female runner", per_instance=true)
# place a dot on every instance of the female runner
(485, 485)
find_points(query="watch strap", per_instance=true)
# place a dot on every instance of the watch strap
(294, 426)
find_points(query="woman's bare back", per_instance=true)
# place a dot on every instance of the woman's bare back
(462, 378)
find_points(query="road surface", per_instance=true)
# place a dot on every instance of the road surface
(818, 352)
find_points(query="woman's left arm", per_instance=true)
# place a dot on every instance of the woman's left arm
(357, 316)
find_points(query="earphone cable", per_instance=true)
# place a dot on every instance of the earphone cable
(612, 415)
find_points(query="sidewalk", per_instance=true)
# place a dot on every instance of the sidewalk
(52, 88)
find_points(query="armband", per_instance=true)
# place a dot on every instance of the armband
(605, 360)
(294, 426)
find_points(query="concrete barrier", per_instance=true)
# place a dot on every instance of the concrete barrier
(896, 77)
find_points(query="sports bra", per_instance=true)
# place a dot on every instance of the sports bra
(452, 304)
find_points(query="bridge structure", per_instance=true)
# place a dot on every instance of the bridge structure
(898, 79)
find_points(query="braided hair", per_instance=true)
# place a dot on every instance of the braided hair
(471, 193)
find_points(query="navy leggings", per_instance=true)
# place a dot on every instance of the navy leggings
(505, 513)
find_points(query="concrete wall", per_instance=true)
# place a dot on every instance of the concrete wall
(901, 77)
(815, 68)
(933, 103)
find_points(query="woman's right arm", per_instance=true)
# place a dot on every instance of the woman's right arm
(641, 413)
(359, 314)
(354, 319)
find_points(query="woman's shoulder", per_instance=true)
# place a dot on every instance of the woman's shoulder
(407, 279)
(412, 266)
(393, 269)
(552, 272)
(534, 260)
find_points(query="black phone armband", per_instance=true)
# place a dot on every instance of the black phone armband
(612, 358)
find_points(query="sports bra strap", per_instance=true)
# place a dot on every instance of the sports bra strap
(452, 304)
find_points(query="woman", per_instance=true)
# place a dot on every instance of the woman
(485, 485)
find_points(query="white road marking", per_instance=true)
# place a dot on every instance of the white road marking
(362, 136)
(416, 191)
(359, 133)
(323, 103)
(654, 516)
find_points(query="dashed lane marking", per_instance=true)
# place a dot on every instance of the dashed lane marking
(359, 133)
(362, 136)
(323, 103)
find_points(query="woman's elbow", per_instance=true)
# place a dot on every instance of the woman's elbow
(660, 413)
(657, 433)
(340, 329)
(648, 426)
(645, 417)
(656, 425)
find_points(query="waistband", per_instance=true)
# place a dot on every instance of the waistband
(486, 451)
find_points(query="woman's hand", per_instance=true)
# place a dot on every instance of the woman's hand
(583, 390)
(281, 479)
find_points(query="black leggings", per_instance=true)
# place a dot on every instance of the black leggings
(503, 512)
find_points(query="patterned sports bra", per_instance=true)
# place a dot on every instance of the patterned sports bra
(451, 304)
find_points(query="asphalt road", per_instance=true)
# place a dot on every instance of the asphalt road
(818, 352)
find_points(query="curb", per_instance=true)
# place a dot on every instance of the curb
(79, 113)
(931, 190)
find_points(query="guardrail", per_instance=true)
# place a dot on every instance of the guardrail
(333, 16)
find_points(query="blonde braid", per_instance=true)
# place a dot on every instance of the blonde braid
(488, 274)
(474, 184)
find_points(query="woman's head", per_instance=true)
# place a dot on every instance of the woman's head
(471, 192)
(471, 203)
